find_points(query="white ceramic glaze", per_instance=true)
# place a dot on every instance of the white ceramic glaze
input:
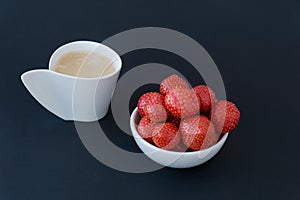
(171, 158)
(73, 98)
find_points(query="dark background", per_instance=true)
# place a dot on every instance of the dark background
(256, 46)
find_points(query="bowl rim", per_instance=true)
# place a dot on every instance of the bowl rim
(136, 136)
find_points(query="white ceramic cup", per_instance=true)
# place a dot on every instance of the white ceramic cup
(74, 98)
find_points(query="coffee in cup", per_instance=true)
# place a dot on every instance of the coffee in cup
(84, 64)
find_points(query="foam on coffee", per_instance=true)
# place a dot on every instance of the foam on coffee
(84, 64)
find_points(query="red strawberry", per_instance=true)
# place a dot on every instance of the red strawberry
(166, 136)
(172, 82)
(151, 104)
(157, 113)
(225, 115)
(145, 129)
(182, 102)
(206, 97)
(174, 120)
(198, 132)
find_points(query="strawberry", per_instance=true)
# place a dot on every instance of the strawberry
(225, 116)
(166, 136)
(206, 97)
(198, 132)
(182, 102)
(172, 82)
(145, 129)
(157, 113)
(151, 105)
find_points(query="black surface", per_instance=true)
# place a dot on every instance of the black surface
(256, 46)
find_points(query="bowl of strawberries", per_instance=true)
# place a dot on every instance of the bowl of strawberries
(180, 126)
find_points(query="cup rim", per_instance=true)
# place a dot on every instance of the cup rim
(133, 127)
(84, 78)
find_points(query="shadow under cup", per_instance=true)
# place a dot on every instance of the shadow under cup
(89, 98)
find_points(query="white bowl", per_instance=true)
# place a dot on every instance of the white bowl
(171, 158)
